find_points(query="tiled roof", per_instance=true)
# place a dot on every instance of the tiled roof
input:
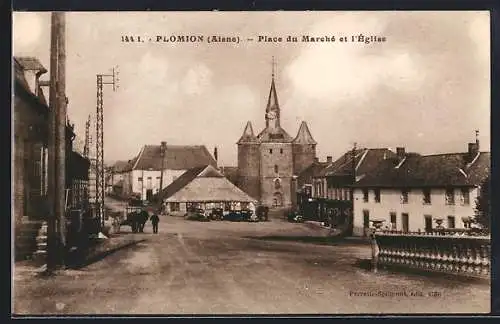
(365, 160)
(439, 170)
(177, 157)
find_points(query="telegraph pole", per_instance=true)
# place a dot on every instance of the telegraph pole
(100, 182)
(56, 144)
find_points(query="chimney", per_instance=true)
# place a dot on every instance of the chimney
(329, 159)
(216, 155)
(400, 151)
(473, 150)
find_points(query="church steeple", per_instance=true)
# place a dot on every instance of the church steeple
(273, 108)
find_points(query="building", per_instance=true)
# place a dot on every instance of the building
(325, 187)
(411, 192)
(268, 162)
(143, 174)
(203, 187)
(116, 177)
(30, 157)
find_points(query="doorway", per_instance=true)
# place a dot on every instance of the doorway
(428, 223)
(277, 200)
(149, 194)
(405, 222)
(366, 221)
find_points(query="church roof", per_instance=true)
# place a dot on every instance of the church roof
(274, 136)
(248, 135)
(304, 135)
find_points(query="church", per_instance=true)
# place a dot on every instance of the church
(269, 162)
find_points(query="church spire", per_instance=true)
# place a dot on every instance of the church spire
(248, 135)
(272, 108)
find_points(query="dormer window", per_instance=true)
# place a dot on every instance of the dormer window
(426, 196)
(404, 196)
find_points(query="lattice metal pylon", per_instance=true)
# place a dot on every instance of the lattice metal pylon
(100, 177)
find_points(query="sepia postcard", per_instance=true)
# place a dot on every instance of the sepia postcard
(249, 163)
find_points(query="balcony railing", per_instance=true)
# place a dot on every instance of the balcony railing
(448, 251)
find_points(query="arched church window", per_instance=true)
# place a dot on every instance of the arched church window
(277, 184)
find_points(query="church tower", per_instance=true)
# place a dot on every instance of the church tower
(304, 149)
(276, 156)
(249, 163)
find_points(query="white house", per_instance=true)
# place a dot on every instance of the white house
(143, 174)
(410, 192)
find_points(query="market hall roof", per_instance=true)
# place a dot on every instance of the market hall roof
(203, 184)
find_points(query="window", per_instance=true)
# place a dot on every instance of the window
(404, 196)
(377, 195)
(427, 196)
(149, 183)
(393, 220)
(281, 151)
(175, 206)
(275, 168)
(139, 179)
(450, 197)
(451, 221)
(270, 151)
(365, 195)
(465, 197)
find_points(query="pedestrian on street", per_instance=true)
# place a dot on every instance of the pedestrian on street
(155, 220)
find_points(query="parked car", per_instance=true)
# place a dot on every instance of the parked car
(197, 214)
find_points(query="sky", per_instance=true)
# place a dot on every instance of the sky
(425, 88)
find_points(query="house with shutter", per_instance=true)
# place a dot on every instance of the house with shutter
(412, 192)
(157, 166)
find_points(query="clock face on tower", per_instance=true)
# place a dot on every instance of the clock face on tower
(271, 115)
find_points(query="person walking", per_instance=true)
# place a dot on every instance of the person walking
(155, 220)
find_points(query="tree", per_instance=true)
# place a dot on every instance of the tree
(483, 206)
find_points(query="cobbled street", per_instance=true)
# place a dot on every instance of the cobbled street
(228, 268)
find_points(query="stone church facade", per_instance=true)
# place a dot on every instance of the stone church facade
(269, 162)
